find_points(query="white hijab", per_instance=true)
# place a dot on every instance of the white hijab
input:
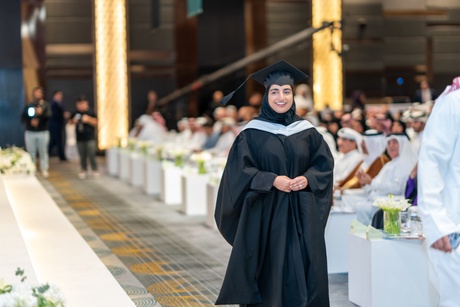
(393, 176)
(407, 159)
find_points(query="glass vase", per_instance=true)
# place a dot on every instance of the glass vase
(392, 222)
(160, 154)
(179, 161)
(201, 167)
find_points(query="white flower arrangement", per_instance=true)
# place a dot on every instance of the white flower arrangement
(201, 159)
(15, 160)
(22, 294)
(389, 203)
(156, 151)
(216, 166)
(144, 146)
(391, 213)
(176, 153)
(132, 144)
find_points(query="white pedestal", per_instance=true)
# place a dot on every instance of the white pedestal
(112, 160)
(386, 273)
(125, 165)
(137, 170)
(152, 176)
(171, 185)
(194, 194)
(211, 192)
(336, 235)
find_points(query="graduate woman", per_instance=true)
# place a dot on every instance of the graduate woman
(273, 203)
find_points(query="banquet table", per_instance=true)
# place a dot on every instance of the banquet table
(152, 176)
(211, 191)
(137, 170)
(336, 235)
(171, 184)
(194, 194)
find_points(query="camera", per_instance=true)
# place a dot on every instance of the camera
(31, 111)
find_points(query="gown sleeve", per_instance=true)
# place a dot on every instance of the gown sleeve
(240, 176)
(320, 177)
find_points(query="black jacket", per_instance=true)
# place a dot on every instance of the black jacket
(30, 111)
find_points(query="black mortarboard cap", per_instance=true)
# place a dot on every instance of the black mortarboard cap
(280, 73)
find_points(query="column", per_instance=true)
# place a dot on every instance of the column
(327, 64)
(111, 71)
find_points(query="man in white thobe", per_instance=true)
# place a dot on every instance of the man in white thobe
(418, 119)
(350, 154)
(439, 192)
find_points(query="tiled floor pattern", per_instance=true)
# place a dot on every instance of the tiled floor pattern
(159, 256)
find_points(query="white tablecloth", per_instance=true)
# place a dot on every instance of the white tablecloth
(384, 273)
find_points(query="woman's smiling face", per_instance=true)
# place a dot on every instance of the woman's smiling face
(280, 98)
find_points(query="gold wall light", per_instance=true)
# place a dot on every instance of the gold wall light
(327, 64)
(111, 82)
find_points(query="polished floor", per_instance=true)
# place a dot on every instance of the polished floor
(158, 255)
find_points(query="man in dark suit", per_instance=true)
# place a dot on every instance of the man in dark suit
(56, 125)
(425, 93)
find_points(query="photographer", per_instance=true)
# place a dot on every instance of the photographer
(85, 121)
(36, 115)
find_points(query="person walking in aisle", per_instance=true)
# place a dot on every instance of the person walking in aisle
(36, 115)
(85, 121)
(439, 193)
(273, 203)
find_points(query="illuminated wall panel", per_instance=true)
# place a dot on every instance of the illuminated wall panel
(111, 80)
(327, 64)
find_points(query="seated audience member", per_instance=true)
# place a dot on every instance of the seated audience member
(392, 177)
(383, 122)
(398, 127)
(374, 159)
(246, 113)
(329, 139)
(226, 138)
(349, 157)
(418, 120)
(303, 100)
(212, 137)
(411, 187)
(199, 136)
(150, 128)
(184, 134)
(333, 126)
(231, 112)
(255, 101)
(313, 117)
(358, 125)
(219, 114)
(346, 121)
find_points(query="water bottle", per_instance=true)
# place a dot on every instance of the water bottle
(415, 221)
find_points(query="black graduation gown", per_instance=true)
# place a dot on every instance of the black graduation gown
(279, 254)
